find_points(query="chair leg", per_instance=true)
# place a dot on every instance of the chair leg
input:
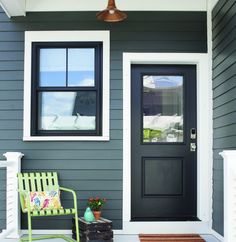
(29, 227)
(77, 227)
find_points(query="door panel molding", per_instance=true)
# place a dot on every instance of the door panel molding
(204, 143)
(148, 163)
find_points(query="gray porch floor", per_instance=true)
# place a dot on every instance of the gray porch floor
(122, 238)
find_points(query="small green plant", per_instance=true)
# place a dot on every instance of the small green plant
(96, 203)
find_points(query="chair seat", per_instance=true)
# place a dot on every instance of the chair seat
(53, 212)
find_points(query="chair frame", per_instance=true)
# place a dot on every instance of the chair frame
(44, 181)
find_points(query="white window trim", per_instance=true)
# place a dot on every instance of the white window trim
(64, 36)
(204, 144)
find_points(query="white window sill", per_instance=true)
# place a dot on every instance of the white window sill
(66, 138)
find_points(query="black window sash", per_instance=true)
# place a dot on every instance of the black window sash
(36, 89)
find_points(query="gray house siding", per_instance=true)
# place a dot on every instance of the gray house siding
(91, 168)
(224, 97)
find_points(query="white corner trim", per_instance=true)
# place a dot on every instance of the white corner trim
(209, 47)
(212, 4)
(63, 36)
(217, 235)
(204, 124)
(13, 7)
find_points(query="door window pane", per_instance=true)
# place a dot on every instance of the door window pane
(81, 67)
(52, 67)
(67, 110)
(162, 109)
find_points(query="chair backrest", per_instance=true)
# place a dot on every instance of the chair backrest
(38, 181)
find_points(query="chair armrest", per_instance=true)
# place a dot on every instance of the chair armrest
(73, 193)
(23, 201)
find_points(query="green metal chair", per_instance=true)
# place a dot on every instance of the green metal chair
(38, 182)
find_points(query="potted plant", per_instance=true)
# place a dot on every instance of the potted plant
(96, 205)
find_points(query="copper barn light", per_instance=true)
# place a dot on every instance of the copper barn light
(111, 13)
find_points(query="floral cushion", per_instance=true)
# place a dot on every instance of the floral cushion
(43, 200)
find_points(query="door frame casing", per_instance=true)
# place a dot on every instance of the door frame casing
(204, 143)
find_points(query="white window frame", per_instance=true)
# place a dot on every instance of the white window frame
(67, 36)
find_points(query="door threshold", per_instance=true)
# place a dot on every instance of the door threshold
(166, 227)
(171, 219)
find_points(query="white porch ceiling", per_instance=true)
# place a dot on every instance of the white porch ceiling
(128, 5)
(13, 7)
(21, 7)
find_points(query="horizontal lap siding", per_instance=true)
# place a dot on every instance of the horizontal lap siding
(91, 168)
(224, 97)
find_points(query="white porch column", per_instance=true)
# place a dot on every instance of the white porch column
(13, 166)
(229, 195)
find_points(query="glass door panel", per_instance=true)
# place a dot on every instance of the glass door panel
(162, 108)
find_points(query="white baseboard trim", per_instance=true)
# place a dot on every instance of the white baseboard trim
(217, 235)
(44, 231)
(57, 231)
(116, 232)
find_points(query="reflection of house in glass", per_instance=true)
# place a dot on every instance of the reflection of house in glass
(162, 108)
(85, 104)
(68, 110)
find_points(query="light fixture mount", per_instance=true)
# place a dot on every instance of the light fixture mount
(111, 13)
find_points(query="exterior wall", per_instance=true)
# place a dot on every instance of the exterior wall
(224, 97)
(91, 168)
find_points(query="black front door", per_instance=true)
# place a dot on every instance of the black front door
(163, 141)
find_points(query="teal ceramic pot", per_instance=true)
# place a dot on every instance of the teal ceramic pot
(88, 215)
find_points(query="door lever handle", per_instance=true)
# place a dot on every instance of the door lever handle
(193, 147)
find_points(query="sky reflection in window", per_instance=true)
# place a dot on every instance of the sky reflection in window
(59, 70)
(52, 67)
(81, 67)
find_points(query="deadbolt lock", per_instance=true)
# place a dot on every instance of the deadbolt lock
(193, 147)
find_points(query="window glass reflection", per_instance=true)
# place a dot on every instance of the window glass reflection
(81, 67)
(67, 110)
(52, 67)
(162, 109)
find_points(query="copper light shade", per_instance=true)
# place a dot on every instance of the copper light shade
(111, 13)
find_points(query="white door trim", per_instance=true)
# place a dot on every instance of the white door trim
(204, 143)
